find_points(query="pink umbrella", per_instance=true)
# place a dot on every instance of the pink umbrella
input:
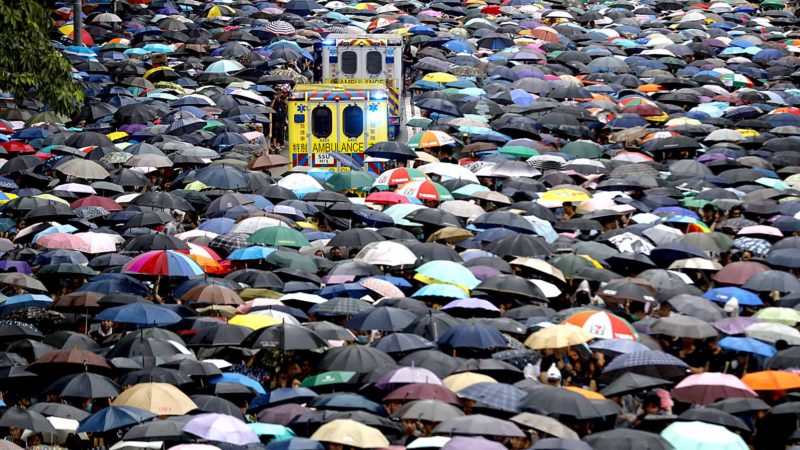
(62, 240)
(705, 388)
(382, 287)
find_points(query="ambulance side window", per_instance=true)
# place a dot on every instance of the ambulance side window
(349, 62)
(374, 62)
(353, 118)
(322, 122)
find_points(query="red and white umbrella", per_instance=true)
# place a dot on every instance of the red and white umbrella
(425, 190)
(603, 325)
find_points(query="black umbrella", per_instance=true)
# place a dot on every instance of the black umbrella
(437, 362)
(85, 385)
(211, 404)
(354, 238)
(627, 439)
(169, 429)
(478, 425)
(156, 375)
(503, 288)
(285, 337)
(59, 410)
(355, 358)
(716, 417)
(633, 382)
(26, 419)
(562, 402)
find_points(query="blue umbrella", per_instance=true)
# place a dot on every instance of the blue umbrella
(251, 253)
(375, 219)
(240, 379)
(219, 225)
(114, 417)
(747, 345)
(296, 444)
(346, 401)
(723, 294)
(281, 396)
(352, 290)
(24, 301)
(617, 346)
(142, 314)
(473, 336)
(111, 283)
(500, 396)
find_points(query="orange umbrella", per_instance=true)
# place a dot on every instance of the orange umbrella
(209, 265)
(772, 380)
(591, 395)
(649, 88)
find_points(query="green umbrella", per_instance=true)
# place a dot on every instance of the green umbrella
(279, 236)
(327, 378)
(292, 260)
(519, 151)
(570, 264)
(352, 180)
(66, 269)
(702, 436)
(583, 149)
(419, 122)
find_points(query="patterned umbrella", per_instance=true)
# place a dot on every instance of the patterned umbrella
(399, 176)
(425, 190)
(430, 139)
(280, 27)
(165, 263)
(90, 212)
(603, 325)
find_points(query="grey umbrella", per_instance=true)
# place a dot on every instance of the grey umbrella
(428, 410)
(563, 402)
(679, 325)
(697, 307)
(627, 439)
(633, 382)
(544, 424)
(478, 425)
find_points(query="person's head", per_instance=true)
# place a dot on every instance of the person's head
(652, 404)
(336, 253)
(106, 325)
(735, 212)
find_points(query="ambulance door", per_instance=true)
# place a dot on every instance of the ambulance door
(353, 128)
(323, 132)
(373, 66)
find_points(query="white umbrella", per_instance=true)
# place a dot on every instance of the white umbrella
(386, 253)
(773, 332)
(462, 208)
(448, 171)
(253, 224)
(99, 242)
(299, 181)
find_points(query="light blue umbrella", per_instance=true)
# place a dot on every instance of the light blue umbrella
(53, 230)
(279, 432)
(239, 379)
(224, 66)
(441, 290)
(251, 253)
(747, 345)
(158, 48)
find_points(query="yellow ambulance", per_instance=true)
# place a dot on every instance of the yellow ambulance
(326, 118)
(367, 59)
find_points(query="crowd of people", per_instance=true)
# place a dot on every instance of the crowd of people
(586, 236)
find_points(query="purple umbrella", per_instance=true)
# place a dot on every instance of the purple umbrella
(484, 272)
(735, 325)
(474, 443)
(221, 428)
(471, 303)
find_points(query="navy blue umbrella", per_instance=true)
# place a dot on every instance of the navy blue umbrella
(281, 396)
(296, 444)
(375, 219)
(499, 396)
(472, 336)
(112, 418)
(666, 254)
(346, 401)
(109, 283)
(143, 314)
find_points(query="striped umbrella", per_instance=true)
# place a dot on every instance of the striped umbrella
(164, 262)
(425, 190)
(604, 325)
(280, 27)
(430, 139)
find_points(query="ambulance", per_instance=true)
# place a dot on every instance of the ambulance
(326, 118)
(367, 59)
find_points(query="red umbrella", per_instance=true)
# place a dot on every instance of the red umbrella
(17, 147)
(737, 273)
(386, 198)
(492, 10)
(95, 200)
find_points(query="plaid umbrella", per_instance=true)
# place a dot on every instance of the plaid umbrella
(500, 396)
(341, 306)
(229, 242)
(651, 363)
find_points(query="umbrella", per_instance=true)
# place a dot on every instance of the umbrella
(556, 400)
(771, 380)
(702, 435)
(558, 336)
(655, 364)
(628, 439)
(478, 425)
(114, 417)
(678, 325)
(26, 419)
(221, 428)
(350, 433)
(709, 387)
(159, 398)
(633, 382)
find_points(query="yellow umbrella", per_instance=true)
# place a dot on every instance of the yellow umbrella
(746, 132)
(159, 398)
(464, 380)
(196, 186)
(254, 321)
(591, 395)
(682, 121)
(156, 69)
(558, 336)
(450, 235)
(565, 195)
(52, 197)
(116, 135)
(440, 77)
(220, 10)
(351, 434)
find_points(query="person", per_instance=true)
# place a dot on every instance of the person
(553, 376)
(103, 331)
(175, 226)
